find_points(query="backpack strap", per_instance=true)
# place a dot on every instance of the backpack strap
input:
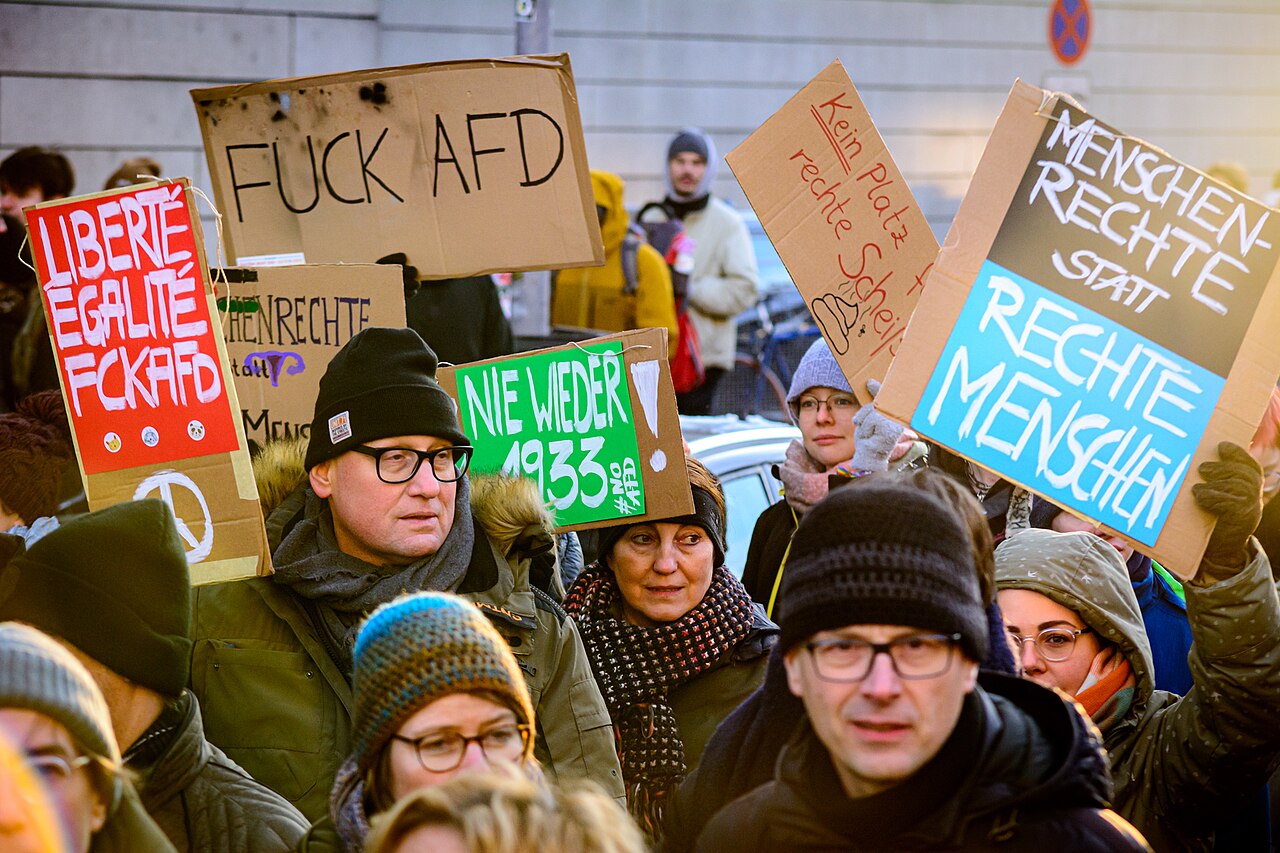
(630, 275)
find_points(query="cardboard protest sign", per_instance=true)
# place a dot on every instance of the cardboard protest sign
(143, 367)
(842, 218)
(595, 424)
(1101, 317)
(284, 324)
(468, 167)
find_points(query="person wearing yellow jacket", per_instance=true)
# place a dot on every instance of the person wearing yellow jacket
(598, 297)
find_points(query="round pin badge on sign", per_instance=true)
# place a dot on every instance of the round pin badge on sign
(150, 437)
(112, 442)
(195, 429)
(1070, 28)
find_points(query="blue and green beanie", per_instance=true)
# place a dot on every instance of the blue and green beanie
(420, 648)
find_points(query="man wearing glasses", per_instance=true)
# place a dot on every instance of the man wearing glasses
(1182, 765)
(381, 505)
(900, 748)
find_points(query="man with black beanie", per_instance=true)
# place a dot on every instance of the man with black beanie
(724, 281)
(375, 502)
(113, 587)
(900, 748)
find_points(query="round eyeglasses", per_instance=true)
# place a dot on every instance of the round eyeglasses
(845, 659)
(441, 752)
(400, 464)
(1052, 644)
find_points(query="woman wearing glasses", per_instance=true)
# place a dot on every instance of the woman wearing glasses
(1181, 765)
(437, 694)
(69, 793)
(674, 640)
(823, 407)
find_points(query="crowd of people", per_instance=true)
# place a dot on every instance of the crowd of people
(918, 655)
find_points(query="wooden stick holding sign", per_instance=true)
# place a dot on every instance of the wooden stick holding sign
(842, 218)
(594, 423)
(143, 367)
(1101, 318)
(468, 167)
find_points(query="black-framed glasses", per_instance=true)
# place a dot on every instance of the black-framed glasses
(1052, 644)
(844, 659)
(441, 752)
(401, 464)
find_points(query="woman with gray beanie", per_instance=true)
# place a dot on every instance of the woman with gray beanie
(53, 714)
(838, 441)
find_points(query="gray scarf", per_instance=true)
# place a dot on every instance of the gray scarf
(344, 589)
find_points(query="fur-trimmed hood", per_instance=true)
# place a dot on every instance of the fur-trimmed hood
(507, 508)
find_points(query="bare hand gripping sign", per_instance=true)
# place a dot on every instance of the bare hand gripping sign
(427, 159)
(1112, 332)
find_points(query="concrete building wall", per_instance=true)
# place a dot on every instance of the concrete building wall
(107, 80)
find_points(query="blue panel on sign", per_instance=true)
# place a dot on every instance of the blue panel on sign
(1073, 405)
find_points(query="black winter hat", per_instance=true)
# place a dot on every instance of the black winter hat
(115, 584)
(705, 515)
(882, 553)
(381, 384)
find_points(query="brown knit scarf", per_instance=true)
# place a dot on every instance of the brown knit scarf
(637, 667)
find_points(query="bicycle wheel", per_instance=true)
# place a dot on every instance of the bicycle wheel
(749, 389)
(776, 395)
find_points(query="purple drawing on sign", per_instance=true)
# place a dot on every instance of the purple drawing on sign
(276, 364)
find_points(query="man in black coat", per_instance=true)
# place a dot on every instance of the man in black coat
(901, 748)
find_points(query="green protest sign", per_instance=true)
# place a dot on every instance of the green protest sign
(564, 419)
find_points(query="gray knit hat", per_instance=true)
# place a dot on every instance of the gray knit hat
(818, 369)
(37, 674)
(882, 553)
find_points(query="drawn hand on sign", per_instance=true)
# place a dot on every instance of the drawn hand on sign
(183, 508)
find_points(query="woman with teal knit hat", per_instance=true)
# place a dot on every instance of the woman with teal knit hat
(437, 694)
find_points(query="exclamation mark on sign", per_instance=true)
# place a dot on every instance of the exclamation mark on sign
(644, 375)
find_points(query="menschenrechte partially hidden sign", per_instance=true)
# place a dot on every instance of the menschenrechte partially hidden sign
(468, 167)
(283, 325)
(1101, 318)
(842, 218)
(594, 424)
(143, 367)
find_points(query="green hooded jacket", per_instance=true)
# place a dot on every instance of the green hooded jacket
(1180, 764)
(274, 700)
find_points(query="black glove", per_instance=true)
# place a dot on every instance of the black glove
(1232, 490)
(410, 273)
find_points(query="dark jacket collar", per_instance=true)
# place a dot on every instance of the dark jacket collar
(171, 753)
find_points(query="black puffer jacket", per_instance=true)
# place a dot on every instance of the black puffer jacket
(1023, 771)
(201, 799)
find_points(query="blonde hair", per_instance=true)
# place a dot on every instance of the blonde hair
(503, 811)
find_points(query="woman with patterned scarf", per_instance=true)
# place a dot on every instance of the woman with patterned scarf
(674, 640)
(824, 407)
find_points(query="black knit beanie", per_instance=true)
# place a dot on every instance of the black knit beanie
(115, 584)
(688, 141)
(882, 554)
(381, 384)
(705, 515)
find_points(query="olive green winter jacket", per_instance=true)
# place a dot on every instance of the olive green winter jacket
(1179, 764)
(274, 700)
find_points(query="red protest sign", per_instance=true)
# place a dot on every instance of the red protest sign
(124, 296)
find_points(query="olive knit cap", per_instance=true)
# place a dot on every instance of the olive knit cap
(381, 384)
(37, 674)
(115, 584)
(882, 553)
(420, 648)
